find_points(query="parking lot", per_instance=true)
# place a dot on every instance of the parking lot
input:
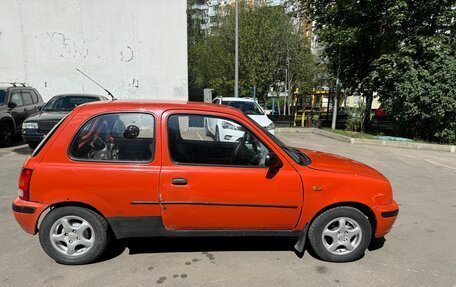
(420, 250)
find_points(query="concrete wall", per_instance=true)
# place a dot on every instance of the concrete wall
(136, 48)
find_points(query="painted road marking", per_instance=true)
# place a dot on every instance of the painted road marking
(436, 163)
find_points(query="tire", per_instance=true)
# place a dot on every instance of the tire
(65, 224)
(33, 145)
(217, 135)
(340, 234)
(6, 134)
(206, 128)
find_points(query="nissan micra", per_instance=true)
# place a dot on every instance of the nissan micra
(112, 170)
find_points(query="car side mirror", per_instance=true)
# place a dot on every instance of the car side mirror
(40, 108)
(98, 144)
(12, 105)
(273, 161)
(131, 132)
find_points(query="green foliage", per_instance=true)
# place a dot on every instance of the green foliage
(417, 81)
(355, 119)
(268, 44)
(403, 49)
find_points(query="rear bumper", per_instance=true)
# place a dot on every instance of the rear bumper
(386, 215)
(27, 214)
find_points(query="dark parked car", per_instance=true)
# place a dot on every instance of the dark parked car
(17, 102)
(36, 127)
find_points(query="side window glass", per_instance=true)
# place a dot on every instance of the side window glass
(34, 97)
(27, 98)
(198, 139)
(116, 137)
(16, 98)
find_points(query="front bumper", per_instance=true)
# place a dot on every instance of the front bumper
(27, 214)
(386, 215)
(32, 136)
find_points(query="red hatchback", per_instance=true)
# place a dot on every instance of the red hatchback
(143, 169)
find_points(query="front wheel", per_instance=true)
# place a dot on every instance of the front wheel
(73, 235)
(340, 234)
(217, 135)
(33, 145)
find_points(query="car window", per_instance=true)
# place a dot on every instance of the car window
(17, 99)
(249, 108)
(200, 139)
(2, 97)
(116, 137)
(67, 103)
(27, 98)
(216, 101)
(34, 97)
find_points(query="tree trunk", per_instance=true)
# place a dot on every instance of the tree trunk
(367, 111)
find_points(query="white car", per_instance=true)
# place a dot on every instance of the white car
(223, 130)
(250, 108)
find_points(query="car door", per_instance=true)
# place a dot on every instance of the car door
(30, 107)
(206, 185)
(18, 112)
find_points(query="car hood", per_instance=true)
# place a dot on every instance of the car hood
(47, 116)
(339, 164)
(262, 120)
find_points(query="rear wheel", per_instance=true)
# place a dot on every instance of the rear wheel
(73, 235)
(6, 134)
(340, 234)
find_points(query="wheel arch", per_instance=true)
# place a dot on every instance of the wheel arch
(366, 210)
(67, 204)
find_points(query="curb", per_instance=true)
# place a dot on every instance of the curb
(407, 145)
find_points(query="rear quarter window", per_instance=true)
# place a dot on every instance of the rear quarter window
(116, 137)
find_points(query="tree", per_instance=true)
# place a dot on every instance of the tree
(355, 33)
(416, 82)
(268, 45)
(403, 49)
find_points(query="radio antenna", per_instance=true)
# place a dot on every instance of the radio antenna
(106, 90)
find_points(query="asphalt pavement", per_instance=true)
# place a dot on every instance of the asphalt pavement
(420, 250)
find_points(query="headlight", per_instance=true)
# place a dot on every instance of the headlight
(271, 127)
(30, 126)
(230, 126)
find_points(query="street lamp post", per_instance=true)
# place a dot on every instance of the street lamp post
(236, 51)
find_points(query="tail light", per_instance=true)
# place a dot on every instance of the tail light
(24, 184)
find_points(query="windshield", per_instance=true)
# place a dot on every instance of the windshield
(2, 97)
(297, 156)
(67, 103)
(248, 108)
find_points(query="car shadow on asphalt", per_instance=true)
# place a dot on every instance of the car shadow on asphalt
(197, 244)
(208, 244)
(22, 150)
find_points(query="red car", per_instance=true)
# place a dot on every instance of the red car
(143, 169)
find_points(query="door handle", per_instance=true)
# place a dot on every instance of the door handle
(179, 181)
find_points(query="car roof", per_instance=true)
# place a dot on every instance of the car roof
(234, 99)
(141, 105)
